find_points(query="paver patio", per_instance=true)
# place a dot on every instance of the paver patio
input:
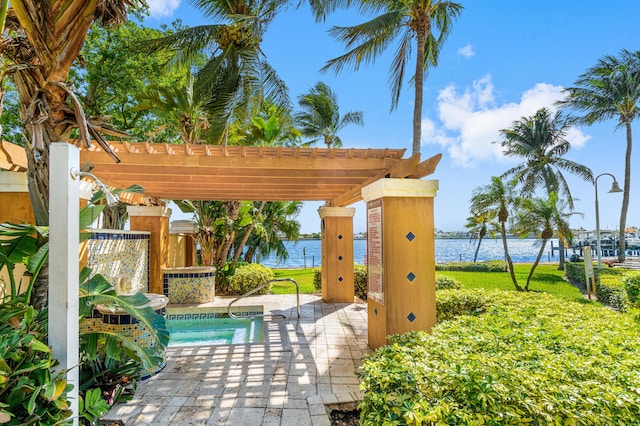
(303, 364)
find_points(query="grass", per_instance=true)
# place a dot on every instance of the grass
(304, 277)
(547, 279)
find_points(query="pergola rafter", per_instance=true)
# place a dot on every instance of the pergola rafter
(206, 172)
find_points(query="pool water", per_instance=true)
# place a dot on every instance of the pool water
(215, 331)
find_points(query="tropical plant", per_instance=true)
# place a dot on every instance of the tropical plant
(110, 71)
(236, 78)
(542, 217)
(38, 50)
(610, 90)
(427, 21)
(479, 224)
(496, 199)
(541, 141)
(178, 107)
(278, 224)
(31, 392)
(320, 117)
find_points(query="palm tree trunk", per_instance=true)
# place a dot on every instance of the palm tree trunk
(561, 254)
(625, 195)
(535, 264)
(240, 247)
(508, 257)
(475, 256)
(418, 82)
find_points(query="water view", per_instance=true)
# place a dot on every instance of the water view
(307, 253)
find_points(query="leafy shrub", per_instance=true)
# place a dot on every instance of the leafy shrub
(30, 392)
(487, 266)
(453, 303)
(446, 282)
(611, 291)
(632, 285)
(317, 279)
(529, 359)
(360, 283)
(249, 276)
(574, 271)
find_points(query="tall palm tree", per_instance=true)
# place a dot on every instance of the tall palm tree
(43, 39)
(479, 224)
(610, 90)
(320, 116)
(496, 199)
(543, 217)
(236, 77)
(540, 140)
(427, 21)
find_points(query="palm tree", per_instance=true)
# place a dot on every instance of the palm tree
(236, 78)
(320, 116)
(178, 107)
(610, 90)
(42, 41)
(479, 225)
(427, 21)
(540, 141)
(496, 199)
(278, 224)
(542, 217)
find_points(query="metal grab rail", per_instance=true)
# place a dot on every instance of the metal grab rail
(232, 315)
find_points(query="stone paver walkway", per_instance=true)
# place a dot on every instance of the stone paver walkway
(303, 365)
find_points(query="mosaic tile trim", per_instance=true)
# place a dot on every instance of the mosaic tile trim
(115, 236)
(190, 275)
(125, 319)
(210, 315)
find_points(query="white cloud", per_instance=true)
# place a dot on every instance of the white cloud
(472, 120)
(466, 51)
(162, 8)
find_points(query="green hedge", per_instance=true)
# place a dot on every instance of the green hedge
(453, 303)
(487, 266)
(611, 291)
(360, 281)
(528, 359)
(249, 276)
(444, 282)
(574, 271)
(632, 286)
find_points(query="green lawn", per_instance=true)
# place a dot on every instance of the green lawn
(546, 279)
(304, 277)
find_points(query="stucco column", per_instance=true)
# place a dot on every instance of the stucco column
(337, 254)
(400, 257)
(154, 219)
(15, 203)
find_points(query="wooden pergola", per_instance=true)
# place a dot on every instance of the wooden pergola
(207, 172)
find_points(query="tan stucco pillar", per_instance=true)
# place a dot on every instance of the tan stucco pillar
(154, 219)
(15, 203)
(400, 257)
(337, 254)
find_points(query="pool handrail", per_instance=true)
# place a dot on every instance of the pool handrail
(260, 287)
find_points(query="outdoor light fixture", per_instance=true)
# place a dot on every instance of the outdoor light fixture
(112, 199)
(614, 188)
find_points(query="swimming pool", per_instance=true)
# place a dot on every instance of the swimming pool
(212, 326)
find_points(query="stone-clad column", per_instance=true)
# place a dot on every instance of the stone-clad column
(154, 219)
(400, 257)
(337, 254)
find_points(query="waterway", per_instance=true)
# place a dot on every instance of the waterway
(307, 253)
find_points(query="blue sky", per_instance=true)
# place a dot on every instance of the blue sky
(504, 60)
